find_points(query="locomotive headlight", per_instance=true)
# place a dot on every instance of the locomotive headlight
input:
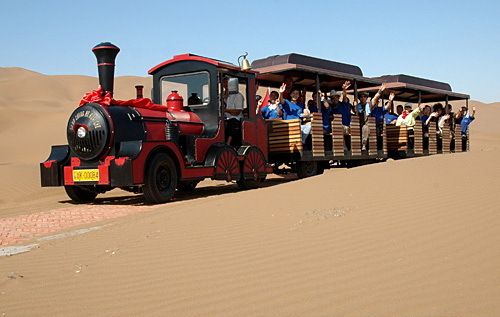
(81, 132)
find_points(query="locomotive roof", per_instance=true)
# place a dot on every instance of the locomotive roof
(303, 69)
(407, 88)
(193, 57)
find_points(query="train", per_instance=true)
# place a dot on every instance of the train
(170, 142)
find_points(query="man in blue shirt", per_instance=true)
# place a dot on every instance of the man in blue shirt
(342, 107)
(466, 121)
(379, 112)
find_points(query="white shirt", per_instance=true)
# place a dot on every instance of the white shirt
(234, 101)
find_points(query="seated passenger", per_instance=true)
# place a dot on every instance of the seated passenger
(460, 115)
(390, 117)
(363, 109)
(442, 122)
(273, 109)
(326, 111)
(407, 118)
(399, 110)
(293, 109)
(426, 112)
(467, 120)
(342, 107)
(380, 110)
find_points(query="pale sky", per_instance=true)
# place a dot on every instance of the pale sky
(452, 41)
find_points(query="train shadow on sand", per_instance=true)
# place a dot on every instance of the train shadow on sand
(204, 191)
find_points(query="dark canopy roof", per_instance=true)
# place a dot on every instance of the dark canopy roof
(407, 88)
(303, 69)
(294, 58)
(407, 79)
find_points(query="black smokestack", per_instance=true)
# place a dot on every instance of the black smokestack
(106, 55)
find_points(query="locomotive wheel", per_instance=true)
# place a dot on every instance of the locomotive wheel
(253, 170)
(160, 180)
(187, 186)
(307, 169)
(227, 166)
(81, 194)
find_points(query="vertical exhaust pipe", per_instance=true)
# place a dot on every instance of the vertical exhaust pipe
(106, 54)
(139, 91)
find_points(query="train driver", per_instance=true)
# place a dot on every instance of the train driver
(234, 104)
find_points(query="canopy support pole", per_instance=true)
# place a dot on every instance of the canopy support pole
(318, 94)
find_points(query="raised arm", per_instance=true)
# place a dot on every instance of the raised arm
(376, 98)
(417, 110)
(345, 86)
(434, 114)
(391, 101)
(281, 91)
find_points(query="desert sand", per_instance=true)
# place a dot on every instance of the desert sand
(415, 237)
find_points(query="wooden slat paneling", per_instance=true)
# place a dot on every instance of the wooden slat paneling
(338, 136)
(432, 139)
(397, 138)
(372, 141)
(318, 143)
(284, 136)
(355, 136)
(419, 138)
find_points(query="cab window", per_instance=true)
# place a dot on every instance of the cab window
(193, 87)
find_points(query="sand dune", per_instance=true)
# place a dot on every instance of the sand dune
(413, 237)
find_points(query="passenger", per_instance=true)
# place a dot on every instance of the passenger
(425, 114)
(273, 109)
(380, 110)
(288, 81)
(363, 109)
(233, 112)
(438, 107)
(441, 123)
(390, 117)
(460, 115)
(294, 109)
(432, 118)
(408, 117)
(342, 107)
(466, 121)
(399, 110)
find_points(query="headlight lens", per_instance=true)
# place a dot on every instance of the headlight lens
(81, 132)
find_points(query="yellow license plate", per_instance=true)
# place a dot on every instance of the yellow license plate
(89, 175)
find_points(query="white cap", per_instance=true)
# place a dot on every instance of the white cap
(232, 85)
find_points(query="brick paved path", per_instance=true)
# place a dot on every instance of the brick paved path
(18, 229)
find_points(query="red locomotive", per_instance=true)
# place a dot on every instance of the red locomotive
(148, 147)
(169, 143)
